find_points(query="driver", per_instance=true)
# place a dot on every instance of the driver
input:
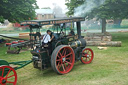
(72, 32)
(46, 41)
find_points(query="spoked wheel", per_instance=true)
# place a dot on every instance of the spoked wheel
(7, 75)
(62, 59)
(87, 56)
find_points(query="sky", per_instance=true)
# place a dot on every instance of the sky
(50, 3)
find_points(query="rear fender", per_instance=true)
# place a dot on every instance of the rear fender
(3, 62)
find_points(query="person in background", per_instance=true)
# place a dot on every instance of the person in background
(38, 35)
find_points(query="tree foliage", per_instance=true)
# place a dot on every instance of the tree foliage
(110, 9)
(72, 4)
(17, 10)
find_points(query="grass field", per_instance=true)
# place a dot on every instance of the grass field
(109, 67)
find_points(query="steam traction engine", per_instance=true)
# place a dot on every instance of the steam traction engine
(66, 49)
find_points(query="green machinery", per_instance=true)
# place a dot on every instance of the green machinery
(66, 49)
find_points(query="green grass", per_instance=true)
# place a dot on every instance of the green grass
(109, 67)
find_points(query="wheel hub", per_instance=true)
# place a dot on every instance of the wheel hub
(64, 59)
(3, 81)
(87, 56)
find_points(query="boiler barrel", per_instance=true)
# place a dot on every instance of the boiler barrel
(79, 43)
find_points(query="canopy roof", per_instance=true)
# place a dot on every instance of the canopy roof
(52, 21)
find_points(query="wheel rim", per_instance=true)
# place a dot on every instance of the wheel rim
(10, 77)
(87, 56)
(65, 60)
(58, 43)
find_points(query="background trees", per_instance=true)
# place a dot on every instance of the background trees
(17, 10)
(72, 4)
(109, 9)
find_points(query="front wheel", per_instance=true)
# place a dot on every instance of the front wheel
(87, 56)
(62, 59)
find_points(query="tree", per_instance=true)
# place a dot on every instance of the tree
(110, 9)
(72, 4)
(17, 10)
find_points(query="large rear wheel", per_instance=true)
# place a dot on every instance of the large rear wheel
(7, 75)
(87, 56)
(62, 59)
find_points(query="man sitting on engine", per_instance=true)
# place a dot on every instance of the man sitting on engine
(46, 41)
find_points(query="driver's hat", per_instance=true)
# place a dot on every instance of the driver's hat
(49, 31)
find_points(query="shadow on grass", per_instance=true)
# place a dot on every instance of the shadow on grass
(50, 72)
